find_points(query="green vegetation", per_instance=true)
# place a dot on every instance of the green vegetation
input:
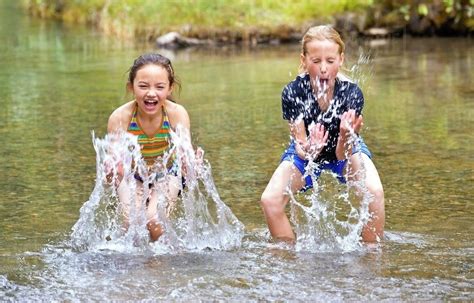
(235, 20)
(443, 17)
(197, 18)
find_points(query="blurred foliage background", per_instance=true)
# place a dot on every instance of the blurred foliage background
(237, 20)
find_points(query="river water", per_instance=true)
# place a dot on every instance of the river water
(59, 82)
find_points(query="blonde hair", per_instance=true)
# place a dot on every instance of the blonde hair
(321, 32)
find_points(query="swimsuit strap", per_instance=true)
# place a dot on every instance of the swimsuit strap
(154, 146)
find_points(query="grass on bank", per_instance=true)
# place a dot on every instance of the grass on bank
(147, 19)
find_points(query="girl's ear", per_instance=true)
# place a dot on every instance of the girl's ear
(302, 63)
(342, 59)
(129, 87)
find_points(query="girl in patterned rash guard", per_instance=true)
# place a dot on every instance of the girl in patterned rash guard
(324, 110)
(150, 116)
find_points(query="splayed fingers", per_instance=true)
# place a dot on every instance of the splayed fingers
(318, 137)
(350, 123)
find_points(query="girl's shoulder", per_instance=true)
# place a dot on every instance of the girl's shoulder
(173, 108)
(349, 92)
(346, 84)
(344, 78)
(120, 117)
(177, 114)
(301, 80)
(300, 85)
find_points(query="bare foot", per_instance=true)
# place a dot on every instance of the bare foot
(155, 230)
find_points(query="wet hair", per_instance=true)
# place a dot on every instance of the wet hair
(156, 59)
(321, 32)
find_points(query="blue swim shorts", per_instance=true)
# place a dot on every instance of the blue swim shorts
(336, 167)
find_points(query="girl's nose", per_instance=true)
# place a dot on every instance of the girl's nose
(151, 92)
(323, 68)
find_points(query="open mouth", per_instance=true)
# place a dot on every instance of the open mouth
(323, 84)
(321, 87)
(150, 104)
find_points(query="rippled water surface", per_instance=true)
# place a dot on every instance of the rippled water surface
(58, 83)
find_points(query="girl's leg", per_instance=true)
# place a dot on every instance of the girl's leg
(172, 188)
(374, 229)
(275, 197)
(125, 200)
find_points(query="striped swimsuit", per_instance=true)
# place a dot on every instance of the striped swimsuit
(151, 147)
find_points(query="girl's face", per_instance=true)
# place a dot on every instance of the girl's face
(322, 61)
(151, 88)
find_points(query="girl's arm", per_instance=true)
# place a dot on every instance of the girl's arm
(351, 122)
(179, 118)
(180, 123)
(298, 133)
(308, 147)
(349, 127)
(118, 121)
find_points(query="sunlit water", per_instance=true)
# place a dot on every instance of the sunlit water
(59, 83)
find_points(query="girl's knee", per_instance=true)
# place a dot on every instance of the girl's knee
(377, 206)
(377, 192)
(272, 202)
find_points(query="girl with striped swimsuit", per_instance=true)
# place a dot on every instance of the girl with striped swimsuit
(150, 116)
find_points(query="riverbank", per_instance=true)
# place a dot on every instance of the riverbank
(259, 21)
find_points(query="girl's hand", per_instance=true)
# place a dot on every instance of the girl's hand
(199, 156)
(198, 160)
(350, 123)
(113, 168)
(316, 141)
(302, 148)
(318, 138)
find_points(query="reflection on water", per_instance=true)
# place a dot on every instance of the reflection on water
(58, 83)
(257, 271)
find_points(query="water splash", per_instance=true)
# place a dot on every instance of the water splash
(361, 71)
(197, 219)
(332, 215)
